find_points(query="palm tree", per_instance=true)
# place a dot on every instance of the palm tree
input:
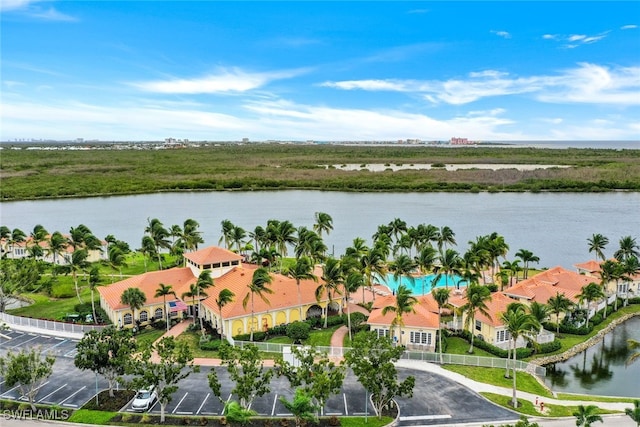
(17, 236)
(633, 344)
(630, 268)
(94, 281)
(162, 291)
(227, 230)
(587, 415)
(526, 257)
(477, 298)
(372, 264)
(403, 266)
(597, 244)
(38, 235)
(224, 297)
(559, 304)
(591, 292)
(116, 259)
(628, 248)
(404, 304)
(353, 281)
(497, 247)
(77, 263)
(441, 295)
(57, 244)
(425, 261)
(539, 311)
(512, 268)
(205, 281)
(134, 298)
(449, 265)
(258, 235)
(331, 280)
(191, 235)
(148, 249)
(259, 285)
(445, 237)
(159, 235)
(238, 234)
(634, 413)
(323, 224)
(518, 322)
(301, 270)
(193, 293)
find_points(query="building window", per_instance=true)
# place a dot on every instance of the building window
(382, 332)
(623, 287)
(144, 316)
(478, 325)
(128, 319)
(423, 338)
(502, 336)
(158, 313)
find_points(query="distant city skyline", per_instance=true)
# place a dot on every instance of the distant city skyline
(322, 71)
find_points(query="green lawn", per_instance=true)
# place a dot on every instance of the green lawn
(148, 336)
(45, 307)
(528, 408)
(192, 339)
(318, 337)
(495, 376)
(457, 345)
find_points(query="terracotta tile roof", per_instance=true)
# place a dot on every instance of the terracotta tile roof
(424, 317)
(497, 305)
(179, 278)
(211, 255)
(591, 266)
(285, 293)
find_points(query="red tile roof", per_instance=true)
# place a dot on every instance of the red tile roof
(424, 317)
(211, 255)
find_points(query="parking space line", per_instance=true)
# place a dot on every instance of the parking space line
(48, 395)
(31, 339)
(275, 400)
(70, 353)
(425, 417)
(78, 391)
(203, 402)
(9, 391)
(176, 408)
(24, 397)
(346, 411)
(54, 346)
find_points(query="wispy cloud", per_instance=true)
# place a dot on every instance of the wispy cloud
(503, 34)
(572, 41)
(33, 9)
(628, 27)
(587, 83)
(224, 81)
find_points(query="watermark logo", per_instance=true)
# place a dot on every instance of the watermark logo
(40, 414)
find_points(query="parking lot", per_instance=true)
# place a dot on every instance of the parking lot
(436, 399)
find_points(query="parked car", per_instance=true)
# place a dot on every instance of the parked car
(144, 400)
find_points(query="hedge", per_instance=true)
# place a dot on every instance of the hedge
(520, 352)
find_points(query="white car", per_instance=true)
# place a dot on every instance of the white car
(144, 400)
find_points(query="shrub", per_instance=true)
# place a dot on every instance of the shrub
(492, 287)
(212, 345)
(357, 321)
(549, 347)
(159, 324)
(298, 331)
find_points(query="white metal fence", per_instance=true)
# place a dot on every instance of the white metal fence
(46, 325)
(451, 359)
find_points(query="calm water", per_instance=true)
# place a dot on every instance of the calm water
(555, 227)
(601, 369)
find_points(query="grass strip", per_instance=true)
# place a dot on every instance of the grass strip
(87, 416)
(528, 408)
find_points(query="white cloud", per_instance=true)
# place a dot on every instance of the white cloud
(225, 81)
(628, 27)
(6, 5)
(575, 40)
(32, 8)
(549, 36)
(588, 83)
(502, 34)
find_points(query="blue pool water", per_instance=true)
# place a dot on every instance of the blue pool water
(423, 284)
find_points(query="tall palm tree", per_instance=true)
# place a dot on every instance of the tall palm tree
(403, 266)
(425, 261)
(396, 228)
(38, 235)
(403, 304)
(323, 224)
(353, 281)
(559, 304)
(539, 311)
(148, 249)
(441, 295)
(94, 281)
(259, 285)
(445, 237)
(238, 234)
(497, 247)
(224, 297)
(518, 322)
(587, 415)
(512, 268)
(526, 257)
(330, 282)
(448, 265)
(589, 293)
(372, 264)
(628, 248)
(134, 298)
(634, 413)
(162, 291)
(77, 263)
(227, 230)
(57, 244)
(597, 244)
(117, 259)
(205, 281)
(301, 270)
(630, 268)
(477, 298)
(191, 235)
(160, 237)
(194, 292)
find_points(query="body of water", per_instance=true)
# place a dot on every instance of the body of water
(421, 285)
(554, 226)
(601, 369)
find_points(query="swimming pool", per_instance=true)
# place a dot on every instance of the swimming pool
(422, 284)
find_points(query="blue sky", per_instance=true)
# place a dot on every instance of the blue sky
(362, 70)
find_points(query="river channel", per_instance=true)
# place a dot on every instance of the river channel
(601, 369)
(554, 226)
